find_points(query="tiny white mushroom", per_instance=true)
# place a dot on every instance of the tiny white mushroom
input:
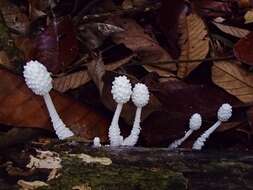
(194, 124)
(38, 79)
(224, 114)
(96, 142)
(121, 91)
(140, 98)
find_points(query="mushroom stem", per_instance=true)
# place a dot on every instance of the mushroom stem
(114, 130)
(132, 139)
(200, 142)
(178, 142)
(60, 128)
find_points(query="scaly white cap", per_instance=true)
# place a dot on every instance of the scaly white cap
(140, 95)
(121, 89)
(37, 78)
(225, 112)
(195, 121)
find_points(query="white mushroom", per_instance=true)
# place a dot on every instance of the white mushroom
(140, 98)
(96, 142)
(121, 91)
(224, 114)
(194, 124)
(38, 79)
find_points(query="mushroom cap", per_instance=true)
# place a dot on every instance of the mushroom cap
(121, 89)
(195, 121)
(225, 112)
(96, 142)
(140, 95)
(37, 77)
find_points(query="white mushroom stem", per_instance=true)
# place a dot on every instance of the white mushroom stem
(132, 139)
(194, 124)
(114, 130)
(224, 113)
(60, 128)
(178, 142)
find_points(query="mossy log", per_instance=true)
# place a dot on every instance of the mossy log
(152, 168)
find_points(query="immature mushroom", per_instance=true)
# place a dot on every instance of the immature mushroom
(140, 98)
(121, 91)
(38, 79)
(224, 114)
(195, 123)
(96, 142)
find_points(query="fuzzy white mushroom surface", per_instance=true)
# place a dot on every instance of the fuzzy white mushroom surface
(38, 79)
(140, 98)
(224, 114)
(96, 142)
(194, 124)
(121, 92)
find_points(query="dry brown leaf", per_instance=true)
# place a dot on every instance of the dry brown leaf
(194, 43)
(147, 48)
(232, 30)
(77, 79)
(82, 187)
(234, 79)
(21, 108)
(31, 185)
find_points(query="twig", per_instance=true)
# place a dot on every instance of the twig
(186, 61)
(133, 10)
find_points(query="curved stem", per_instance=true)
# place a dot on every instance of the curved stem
(132, 139)
(178, 142)
(200, 142)
(60, 128)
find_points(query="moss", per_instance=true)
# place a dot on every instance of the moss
(99, 177)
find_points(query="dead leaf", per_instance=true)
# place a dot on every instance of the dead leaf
(56, 47)
(82, 187)
(248, 17)
(77, 79)
(232, 30)
(234, 79)
(21, 108)
(242, 49)
(13, 17)
(194, 43)
(31, 185)
(146, 48)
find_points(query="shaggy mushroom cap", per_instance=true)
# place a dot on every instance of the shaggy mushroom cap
(37, 78)
(195, 121)
(225, 112)
(121, 89)
(140, 95)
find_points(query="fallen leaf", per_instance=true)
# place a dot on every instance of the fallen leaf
(232, 30)
(242, 49)
(56, 47)
(77, 79)
(54, 174)
(31, 185)
(21, 108)
(248, 17)
(147, 49)
(230, 76)
(90, 159)
(13, 17)
(82, 187)
(194, 43)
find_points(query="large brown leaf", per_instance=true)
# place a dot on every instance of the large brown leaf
(147, 48)
(21, 108)
(56, 47)
(234, 79)
(194, 43)
(243, 49)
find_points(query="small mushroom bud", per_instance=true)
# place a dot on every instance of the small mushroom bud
(224, 114)
(38, 79)
(140, 98)
(121, 91)
(96, 142)
(195, 123)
